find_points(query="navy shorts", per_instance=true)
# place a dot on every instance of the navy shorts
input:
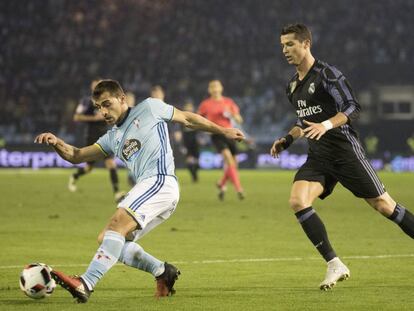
(355, 174)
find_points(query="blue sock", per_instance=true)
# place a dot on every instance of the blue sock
(106, 256)
(134, 255)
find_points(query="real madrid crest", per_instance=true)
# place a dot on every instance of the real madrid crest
(311, 88)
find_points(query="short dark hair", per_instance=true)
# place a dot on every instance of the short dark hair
(156, 88)
(108, 85)
(301, 32)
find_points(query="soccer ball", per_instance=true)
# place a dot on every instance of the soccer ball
(36, 281)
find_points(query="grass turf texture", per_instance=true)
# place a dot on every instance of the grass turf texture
(234, 255)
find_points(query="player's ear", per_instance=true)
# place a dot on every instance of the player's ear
(307, 43)
(122, 99)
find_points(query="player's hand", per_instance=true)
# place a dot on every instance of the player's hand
(314, 130)
(46, 138)
(235, 134)
(277, 147)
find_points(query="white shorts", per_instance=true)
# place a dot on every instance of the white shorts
(151, 202)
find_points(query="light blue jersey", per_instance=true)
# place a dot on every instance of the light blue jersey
(141, 141)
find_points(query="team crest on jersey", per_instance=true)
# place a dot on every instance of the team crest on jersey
(311, 88)
(292, 86)
(131, 146)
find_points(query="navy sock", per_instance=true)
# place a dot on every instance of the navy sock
(114, 179)
(403, 218)
(80, 172)
(316, 232)
(193, 167)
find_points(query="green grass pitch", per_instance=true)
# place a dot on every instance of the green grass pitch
(249, 255)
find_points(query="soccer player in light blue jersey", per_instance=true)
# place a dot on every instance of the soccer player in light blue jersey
(139, 137)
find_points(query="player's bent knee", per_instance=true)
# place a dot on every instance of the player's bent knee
(296, 203)
(122, 222)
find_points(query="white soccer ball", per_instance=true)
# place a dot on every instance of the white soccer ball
(36, 281)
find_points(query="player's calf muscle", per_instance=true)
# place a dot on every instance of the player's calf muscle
(383, 204)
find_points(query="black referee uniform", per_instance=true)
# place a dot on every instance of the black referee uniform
(337, 155)
(190, 142)
(94, 129)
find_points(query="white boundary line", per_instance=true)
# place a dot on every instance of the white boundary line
(245, 260)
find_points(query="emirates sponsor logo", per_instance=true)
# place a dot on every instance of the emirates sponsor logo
(305, 111)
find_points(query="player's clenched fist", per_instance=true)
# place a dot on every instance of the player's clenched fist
(46, 138)
(233, 133)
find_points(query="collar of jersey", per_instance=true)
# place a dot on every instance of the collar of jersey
(126, 117)
(308, 73)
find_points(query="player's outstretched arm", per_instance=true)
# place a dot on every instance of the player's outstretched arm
(68, 152)
(283, 143)
(197, 122)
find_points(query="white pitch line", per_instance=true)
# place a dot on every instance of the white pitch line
(218, 261)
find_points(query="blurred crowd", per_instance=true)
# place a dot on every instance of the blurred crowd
(51, 50)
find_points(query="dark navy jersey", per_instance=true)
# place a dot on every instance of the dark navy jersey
(94, 129)
(189, 136)
(322, 93)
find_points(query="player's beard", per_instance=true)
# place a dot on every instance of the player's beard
(110, 120)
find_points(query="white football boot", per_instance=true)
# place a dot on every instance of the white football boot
(72, 184)
(336, 272)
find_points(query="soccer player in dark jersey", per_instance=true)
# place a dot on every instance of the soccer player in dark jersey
(222, 111)
(326, 108)
(95, 128)
(188, 137)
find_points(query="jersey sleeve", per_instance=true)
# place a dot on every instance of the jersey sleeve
(339, 88)
(160, 109)
(104, 143)
(299, 123)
